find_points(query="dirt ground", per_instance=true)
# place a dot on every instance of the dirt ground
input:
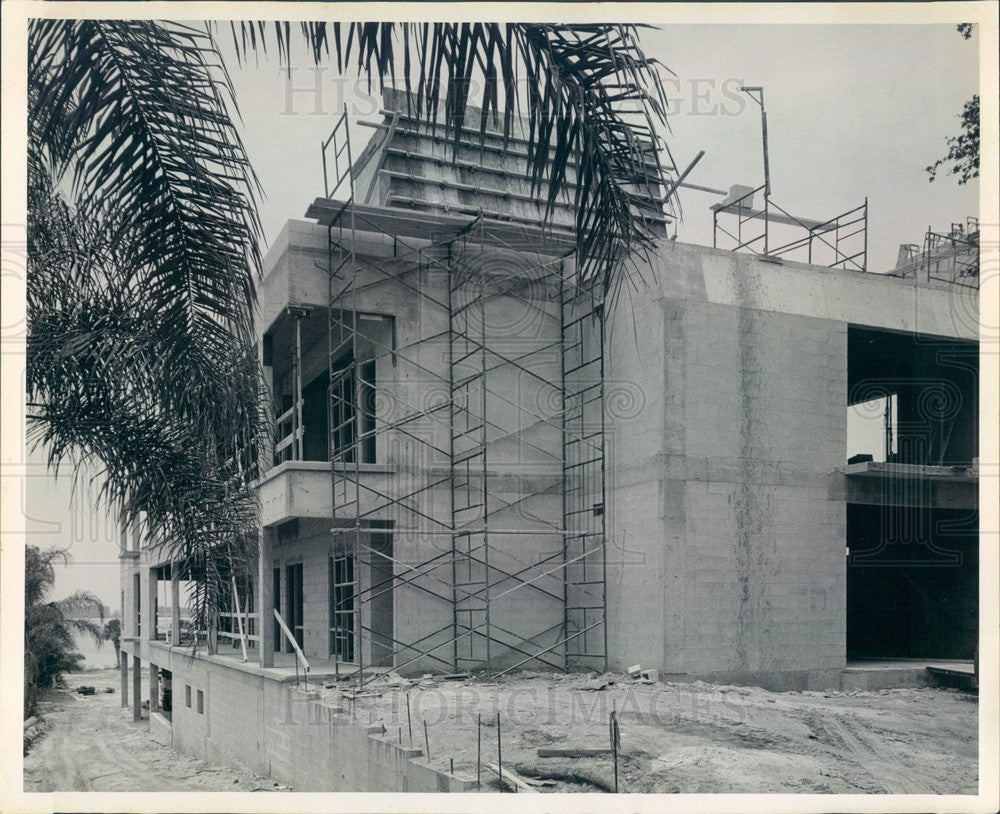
(691, 738)
(92, 744)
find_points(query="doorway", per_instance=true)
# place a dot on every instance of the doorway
(912, 583)
(294, 603)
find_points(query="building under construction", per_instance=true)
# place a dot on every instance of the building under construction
(481, 465)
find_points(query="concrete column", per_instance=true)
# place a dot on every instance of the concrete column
(154, 688)
(124, 672)
(149, 606)
(135, 622)
(136, 687)
(175, 603)
(265, 600)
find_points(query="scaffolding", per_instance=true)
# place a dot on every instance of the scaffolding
(951, 257)
(838, 242)
(472, 478)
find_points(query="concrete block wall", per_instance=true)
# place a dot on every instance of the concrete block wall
(288, 735)
(190, 728)
(727, 552)
(766, 557)
(726, 516)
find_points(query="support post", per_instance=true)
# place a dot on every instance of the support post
(154, 688)
(297, 423)
(136, 687)
(149, 606)
(265, 600)
(175, 603)
(124, 672)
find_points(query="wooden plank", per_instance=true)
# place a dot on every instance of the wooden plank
(288, 439)
(746, 213)
(291, 639)
(281, 419)
(574, 752)
(514, 779)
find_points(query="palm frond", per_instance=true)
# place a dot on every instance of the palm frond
(82, 602)
(142, 265)
(137, 113)
(78, 608)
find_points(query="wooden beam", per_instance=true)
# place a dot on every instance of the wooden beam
(514, 779)
(574, 752)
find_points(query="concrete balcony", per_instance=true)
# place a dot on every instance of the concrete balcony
(887, 484)
(304, 489)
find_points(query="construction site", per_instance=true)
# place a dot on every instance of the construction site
(502, 504)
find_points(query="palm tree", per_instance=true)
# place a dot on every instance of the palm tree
(49, 648)
(143, 233)
(112, 632)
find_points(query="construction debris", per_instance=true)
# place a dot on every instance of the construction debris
(544, 782)
(394, 679)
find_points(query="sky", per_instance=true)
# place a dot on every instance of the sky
(853, 111)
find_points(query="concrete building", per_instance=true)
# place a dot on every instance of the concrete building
(482, 465)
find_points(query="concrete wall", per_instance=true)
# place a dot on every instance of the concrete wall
(280, 732)
(726, 513)
(726, 398)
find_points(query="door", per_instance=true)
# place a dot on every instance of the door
(380, 617)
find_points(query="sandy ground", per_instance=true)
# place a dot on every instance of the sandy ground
(92, 744)
(692, 738)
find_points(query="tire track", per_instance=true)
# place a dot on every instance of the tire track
(872, 756)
